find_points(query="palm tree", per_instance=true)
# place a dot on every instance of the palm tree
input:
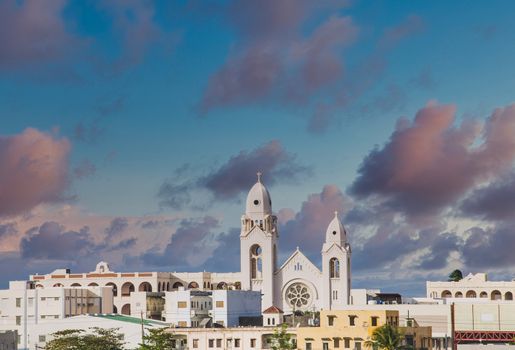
(386, 337)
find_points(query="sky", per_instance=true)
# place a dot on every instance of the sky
(131, 131)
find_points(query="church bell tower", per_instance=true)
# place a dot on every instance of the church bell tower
(258, 243)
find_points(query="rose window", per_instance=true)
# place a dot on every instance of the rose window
(298, 295)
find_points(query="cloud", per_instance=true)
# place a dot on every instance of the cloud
(179, 253)
(34, 32)
(117, 226)
(429, 164)
(33, 170)
(51, 241)
(273, 58)
(225, 258)
(490, 248)
(84, 169)
(496, 201)
(440, 251)
(237, 175)
(411, 25)
(307, 228)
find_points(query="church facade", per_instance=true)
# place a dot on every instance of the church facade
(297, 284)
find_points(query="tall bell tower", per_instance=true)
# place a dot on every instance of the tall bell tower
(258, 243)
(336, 253)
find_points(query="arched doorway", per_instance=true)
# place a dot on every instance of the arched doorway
(176, 285)
(127, 289)
(446, 294)
(471, 294)
(58, 285)
(145, 287)
(92, 284)
(221, 285)
(458, 295)
(126, 309)
(483, 295)
(193, 285)
(508, 296)
(496, 295)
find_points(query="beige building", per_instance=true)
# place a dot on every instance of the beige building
(350, 329)
(244, 338)
(472, 286)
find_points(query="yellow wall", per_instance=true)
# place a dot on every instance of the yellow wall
(341, 329)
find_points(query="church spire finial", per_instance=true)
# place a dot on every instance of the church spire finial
(336, 213)
(259, 176)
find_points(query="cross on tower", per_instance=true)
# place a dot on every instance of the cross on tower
(259, 176)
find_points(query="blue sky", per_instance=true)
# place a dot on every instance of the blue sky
(142, 89)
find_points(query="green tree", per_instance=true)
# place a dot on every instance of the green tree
(281, 339)
(455, 276)
(78, 339)
(386, 337)
(157, 339)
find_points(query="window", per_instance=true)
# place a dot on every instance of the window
(308, 346)
(352, 320)
(236, 343)
(334, 268)
(42, 338)
(18, 302)
(346, 342)
(219, 343)
(219, 303)
(268, 319)
(211, 343)
(336, 343)
(182, 304)
(325, 346)
(330, 320)
(374, 321)
(195, 343)
(183, 324)
(18, 320)
(253, 343)
(357, 345)
(273, 321)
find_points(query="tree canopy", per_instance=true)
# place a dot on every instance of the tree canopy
(281, 339)
(386, 337)
(455, 276)
(157, 339)
(79, 339)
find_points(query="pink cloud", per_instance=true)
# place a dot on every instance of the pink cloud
(33, 170)
(33, 31)
(430, 163)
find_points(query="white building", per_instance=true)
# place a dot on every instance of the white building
(187, 308)
(296, 285)
(472, 286)
(22, 306)
(129, 327)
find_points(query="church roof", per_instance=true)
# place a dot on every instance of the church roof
(273, 310)
(258, 199)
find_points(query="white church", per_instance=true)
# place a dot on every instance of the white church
(296, 285)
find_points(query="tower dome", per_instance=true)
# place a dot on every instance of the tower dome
(335, 231)
(258, 200)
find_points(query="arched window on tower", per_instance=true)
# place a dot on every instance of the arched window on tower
(255, 261)
(334, 268)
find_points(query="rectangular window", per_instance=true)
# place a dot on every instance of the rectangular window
(357, 345)
(236, 343)
(336, 343)
(219, 343)
(325, 346)
(352, 320)
(374, 321)
(18, 302)
(211, 343)
(330, 320)
(252, 343)
(182, 305)
(308, 346)
(183, 324)
(42, 338)
(220, 303)
(18, 320)
(195, 343)
(346, 342)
